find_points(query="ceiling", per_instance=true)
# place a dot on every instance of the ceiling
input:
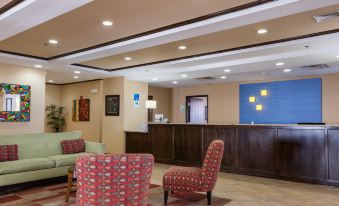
(81, 27)
(281, 28)
(217, 34)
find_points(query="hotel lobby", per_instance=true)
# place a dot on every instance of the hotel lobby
(149, 102)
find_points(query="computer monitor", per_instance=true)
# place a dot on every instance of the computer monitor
(158, 117)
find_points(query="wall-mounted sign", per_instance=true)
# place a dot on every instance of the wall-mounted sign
(136, 100)
(182, 108)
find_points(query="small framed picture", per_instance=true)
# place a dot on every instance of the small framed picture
(112, 105)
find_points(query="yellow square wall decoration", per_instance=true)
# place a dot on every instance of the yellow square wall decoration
(259, 107)
(264, 92)
(251, 99)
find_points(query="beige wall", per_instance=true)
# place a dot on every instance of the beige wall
(91, 130)
(163, 96)
(113, 126)
(134, 117)
(101, 128)
(223, 100)
(53, 96)
(35, 78)
(130, 118)
(331, 99)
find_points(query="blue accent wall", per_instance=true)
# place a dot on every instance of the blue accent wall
(287, 102)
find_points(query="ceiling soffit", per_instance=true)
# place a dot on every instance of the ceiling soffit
(5, 48)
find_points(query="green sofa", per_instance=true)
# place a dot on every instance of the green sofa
(40, 157)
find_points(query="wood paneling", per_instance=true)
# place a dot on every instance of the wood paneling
(333, 154)
(256, 149)
(137, 142)
(188, 144)
(228, 135)
(301, 153)
(161, 137)
(298, 153)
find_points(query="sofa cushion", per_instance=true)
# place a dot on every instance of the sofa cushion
(73, 146)
(8, 152)
(67, 160)
(25, 165)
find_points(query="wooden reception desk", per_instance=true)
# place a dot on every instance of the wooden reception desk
(292, 152)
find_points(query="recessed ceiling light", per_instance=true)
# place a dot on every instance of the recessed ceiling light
(53, 41)
(262, 31)
(107, 23)
(337, 56)
(175, 82)
(280, 64)
(155, 79)
(287, 70)
(77, 72)
(50, 81)
(38, 66)
(184, 75)
(76, 77)
(223, 77)
(128, 58)
(182, 47)
(227, 70)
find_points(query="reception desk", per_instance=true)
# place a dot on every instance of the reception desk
(293, 152)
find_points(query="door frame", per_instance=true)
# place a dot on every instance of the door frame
(187, 115)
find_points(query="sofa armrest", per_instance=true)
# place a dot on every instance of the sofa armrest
(95, 147)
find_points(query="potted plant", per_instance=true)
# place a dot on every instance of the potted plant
(55, 117)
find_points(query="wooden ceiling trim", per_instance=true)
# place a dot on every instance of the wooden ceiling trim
(10, 5)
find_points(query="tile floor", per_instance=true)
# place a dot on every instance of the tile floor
(248, 191)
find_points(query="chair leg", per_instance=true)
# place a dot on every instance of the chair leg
(165, 197)
(209, 197)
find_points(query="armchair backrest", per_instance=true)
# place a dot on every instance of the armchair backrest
(121, 179)
(211, 164)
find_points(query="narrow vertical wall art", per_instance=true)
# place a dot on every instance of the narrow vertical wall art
(81, 110)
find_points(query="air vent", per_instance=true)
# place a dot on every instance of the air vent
(315, 67)
(206, 78)
(324, 17)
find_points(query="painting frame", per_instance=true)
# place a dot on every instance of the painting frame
(24, 115)
(112, 105)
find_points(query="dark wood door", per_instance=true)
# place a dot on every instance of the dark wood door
(333, 154)
(301, 153)
(161, 137)
(256, 150)
(137, 142)
(226, 134)
(188, 144)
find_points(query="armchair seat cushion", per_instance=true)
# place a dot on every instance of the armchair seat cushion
(182, 179)
(67, 160)
(26, 165)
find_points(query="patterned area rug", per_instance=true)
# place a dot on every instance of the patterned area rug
(54, 195)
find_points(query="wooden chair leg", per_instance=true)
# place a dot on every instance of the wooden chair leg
(69, 186)
(209, 197)
(165, 197)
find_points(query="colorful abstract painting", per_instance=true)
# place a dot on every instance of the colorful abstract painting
(81, 110)
(25, 98)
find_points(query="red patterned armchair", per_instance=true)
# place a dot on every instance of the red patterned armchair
(122, 179)
(196, 179)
